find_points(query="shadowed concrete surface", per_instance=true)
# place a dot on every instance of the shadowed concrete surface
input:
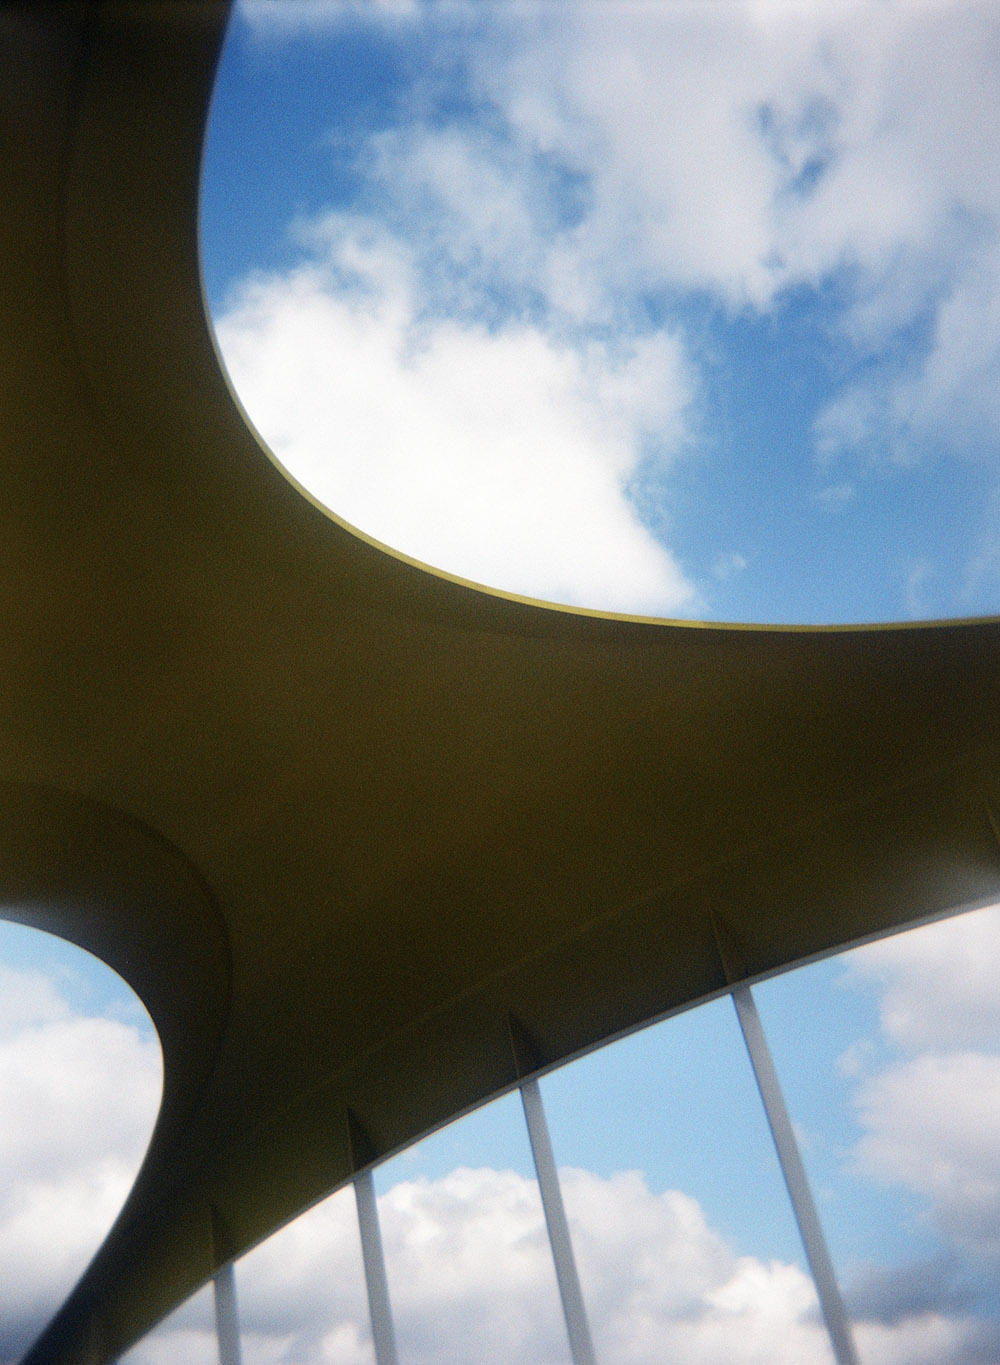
(368, 841)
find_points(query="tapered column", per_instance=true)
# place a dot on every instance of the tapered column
(817, 1254)
(379, 1308)
(227, 1323)
(580, 1344)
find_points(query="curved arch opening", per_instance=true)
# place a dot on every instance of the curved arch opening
(686, 310)
(889, 1055)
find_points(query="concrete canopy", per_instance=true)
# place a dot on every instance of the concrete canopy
(369, 842)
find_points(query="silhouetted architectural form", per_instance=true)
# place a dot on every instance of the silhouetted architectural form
(371, 844)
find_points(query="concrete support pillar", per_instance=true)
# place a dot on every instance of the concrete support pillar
(379, 1308)
(227, 1322)
(580, 1344)
(830, 1301)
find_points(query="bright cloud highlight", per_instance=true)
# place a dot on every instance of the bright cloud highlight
(560, 219)
(80, 1096)
(931, 1117)
(501, 454)
(469, 1265)
(472, 1281)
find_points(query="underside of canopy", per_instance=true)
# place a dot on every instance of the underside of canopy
(369, 842)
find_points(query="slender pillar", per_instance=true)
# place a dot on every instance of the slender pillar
(580, 1345)
(379, 1308)
(227, 1323)
(817, 1254)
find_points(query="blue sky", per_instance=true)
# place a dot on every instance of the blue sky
(890, 1062)
(690, 309)
(737, 228)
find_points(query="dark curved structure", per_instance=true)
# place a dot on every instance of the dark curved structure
(370, 842)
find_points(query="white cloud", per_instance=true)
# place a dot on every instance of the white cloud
(469, 1265)
(28, 999)
(954, 398)
(501, 455)
(835, 495)
(937, 985)
(984, 566)
(748, 151)
(931, 1119)
(80, 1097)
(471, 1279)
(276, 19)
(663, 1285)
(927, 1339)
(727, 565)
(917, 574)
(761, 145)
(933, 1124)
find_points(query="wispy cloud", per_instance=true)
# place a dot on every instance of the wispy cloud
(728, 564)
(276, 19)
(835, 495)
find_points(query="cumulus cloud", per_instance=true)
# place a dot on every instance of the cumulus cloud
(500, 454)
(930, 1338)
(469, 1265)
(471, 1279)
(937, 987)
(930, 1112)
(933, 1124)
(594, 170)
(80, 1098)
(764, 144)
(754, 149)
(28, 999)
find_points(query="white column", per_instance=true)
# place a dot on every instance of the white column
(227, 1323)
(580, 1345)
(379, 1308)
(817, 1254)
